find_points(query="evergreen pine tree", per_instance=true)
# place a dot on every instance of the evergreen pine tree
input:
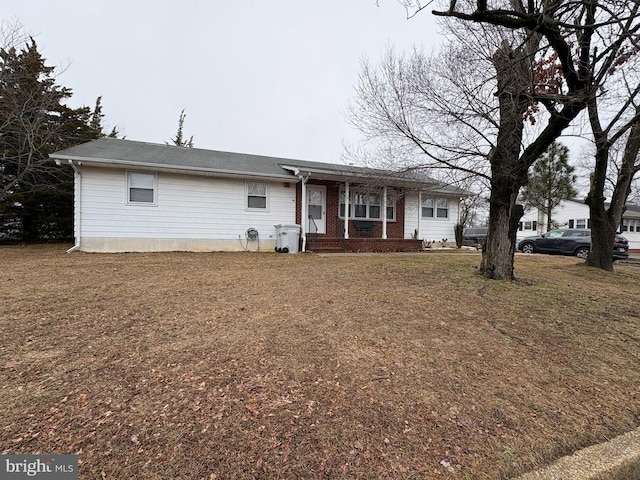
(36, 196)
(550, 182)
(179, 140)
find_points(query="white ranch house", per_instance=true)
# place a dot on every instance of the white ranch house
(136, 196)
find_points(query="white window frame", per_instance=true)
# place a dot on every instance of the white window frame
(248, 195)
(392, 203)
(353, 193)
(439, 208)
(130, 174)
(436, 208)
(432, 206)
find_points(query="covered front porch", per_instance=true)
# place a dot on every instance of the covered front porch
(350, 209)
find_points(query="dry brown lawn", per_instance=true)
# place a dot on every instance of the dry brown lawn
(245, 365)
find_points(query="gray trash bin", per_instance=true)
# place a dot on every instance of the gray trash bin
(287, 238)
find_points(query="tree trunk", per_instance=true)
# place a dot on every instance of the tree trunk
(508, 171)
(604, 222)
(498, 253)
(603, 232)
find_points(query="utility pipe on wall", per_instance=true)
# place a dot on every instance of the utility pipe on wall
(303, 208)
(346, 210)
(384, 212)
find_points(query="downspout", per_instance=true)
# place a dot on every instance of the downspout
(303, 207)
(346, 210)
(77, 208)
(419, 235)
(384, 212)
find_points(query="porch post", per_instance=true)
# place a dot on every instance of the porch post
(419, 215)
(384, 212)
(303, 213)
(346, 210)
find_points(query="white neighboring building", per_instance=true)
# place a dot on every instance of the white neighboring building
(575, 214)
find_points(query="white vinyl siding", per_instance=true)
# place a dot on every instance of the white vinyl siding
(186, 206)
(431, 228)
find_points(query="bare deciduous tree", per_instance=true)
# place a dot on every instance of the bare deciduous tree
(545, 69)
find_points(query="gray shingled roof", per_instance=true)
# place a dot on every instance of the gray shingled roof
(112, 151)
(127, 152)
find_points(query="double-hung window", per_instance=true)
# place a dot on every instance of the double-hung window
(343, 203)
(141, 188)
(427, 208)
(391, 207)
(374, 205)
(442, 208)
(360, 205)
(366, 205)
(435, 207)
(257, 195)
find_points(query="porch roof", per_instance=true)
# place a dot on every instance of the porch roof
(372, 176)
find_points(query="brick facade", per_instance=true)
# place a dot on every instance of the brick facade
(335, 225)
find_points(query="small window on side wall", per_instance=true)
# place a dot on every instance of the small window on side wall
(442, 208)
(141, 188)
(257, 195)
(427, 208)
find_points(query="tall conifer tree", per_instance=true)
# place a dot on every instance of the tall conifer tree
(36, 196)
(550, 182)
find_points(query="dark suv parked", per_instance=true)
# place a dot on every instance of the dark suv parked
(570, 241)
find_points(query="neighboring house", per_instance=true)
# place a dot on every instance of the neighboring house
(136, 196)
(575, 214)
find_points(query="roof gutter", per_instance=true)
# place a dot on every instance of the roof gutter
(77, 199)
(190, 170)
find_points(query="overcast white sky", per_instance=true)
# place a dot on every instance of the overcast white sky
(254, 76)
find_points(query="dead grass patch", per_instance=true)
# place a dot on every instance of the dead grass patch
(204, 366)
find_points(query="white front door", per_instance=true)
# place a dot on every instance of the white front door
(316, 209)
